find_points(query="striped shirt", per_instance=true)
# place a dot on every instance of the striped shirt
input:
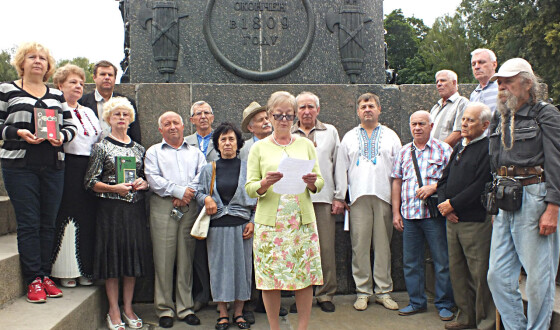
(487, 95)
(431, 162)
(16, 112)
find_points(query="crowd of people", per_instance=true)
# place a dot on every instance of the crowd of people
(88, 201)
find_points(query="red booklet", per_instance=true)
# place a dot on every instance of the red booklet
(46, 123)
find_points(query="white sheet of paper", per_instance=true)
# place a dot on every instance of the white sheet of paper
(292, 169)
(346, 220)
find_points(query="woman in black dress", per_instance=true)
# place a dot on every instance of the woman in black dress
(75, 224)
(121, 244)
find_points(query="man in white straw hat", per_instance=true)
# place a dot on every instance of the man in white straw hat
(255, 120)
(524, 148)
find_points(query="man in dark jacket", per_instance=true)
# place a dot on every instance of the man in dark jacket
(468, 228)
(104, 75)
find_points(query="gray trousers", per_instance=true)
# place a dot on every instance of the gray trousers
(326, 230)
(371, 223)
(172, 244)
(468, 244)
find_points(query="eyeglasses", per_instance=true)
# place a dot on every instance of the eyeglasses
(280, 116)
(200, 113)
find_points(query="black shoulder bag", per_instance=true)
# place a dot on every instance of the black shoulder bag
(432, 201)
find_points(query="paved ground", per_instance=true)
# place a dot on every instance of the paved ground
(345, 317)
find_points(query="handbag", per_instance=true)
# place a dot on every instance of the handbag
(432, 201)
(489, 198)
(202, 223)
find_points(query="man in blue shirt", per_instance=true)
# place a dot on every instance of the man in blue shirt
(484, 64)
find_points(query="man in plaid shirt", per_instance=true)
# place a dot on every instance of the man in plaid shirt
(412, 217)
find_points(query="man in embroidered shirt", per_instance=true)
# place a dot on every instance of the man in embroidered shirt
(202, 118)
(104, 76)
(172, 167)
(326, 140)
(484, 64)
(364, 162)
(255, 120)
(412, 216)
(448, 111)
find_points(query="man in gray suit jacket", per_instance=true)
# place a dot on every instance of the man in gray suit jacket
(255, 120)
(202, 118)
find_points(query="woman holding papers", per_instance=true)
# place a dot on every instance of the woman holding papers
(230, 236)
(116, 174)
(286, 244)
(75, 224)
(33, 166)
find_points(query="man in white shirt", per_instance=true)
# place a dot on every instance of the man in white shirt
(364, 163)
(326, 140)
(448, 111)
(172, 169)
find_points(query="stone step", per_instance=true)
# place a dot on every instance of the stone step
(7, 216)
(555, 322)
(79, 308)
(11, 283)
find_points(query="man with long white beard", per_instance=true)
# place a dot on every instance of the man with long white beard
(524, 148)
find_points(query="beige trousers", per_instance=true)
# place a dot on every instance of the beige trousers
(172, 244)
(371, 223)
(326, 230)
(468, 244)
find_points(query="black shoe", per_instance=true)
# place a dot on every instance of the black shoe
(192, 319)
(283, 311)
(241, 324)
(222, 326)
(249, 317)
(326, 306)
(293, 308)
(166, 322)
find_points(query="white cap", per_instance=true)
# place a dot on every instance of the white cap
(512, 67)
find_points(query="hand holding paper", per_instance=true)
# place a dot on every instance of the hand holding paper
(296, 175)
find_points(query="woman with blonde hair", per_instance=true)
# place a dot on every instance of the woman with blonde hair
(33, 167)
(286, 244)
(75, 225)
(121, 243)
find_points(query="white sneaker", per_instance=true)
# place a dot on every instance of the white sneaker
(361, 303)
(386, 301)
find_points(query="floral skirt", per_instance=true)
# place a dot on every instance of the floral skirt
(287, 255)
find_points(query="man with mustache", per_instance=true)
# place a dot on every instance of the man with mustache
(412, 217)
(448, 111)
(202, 118)
(525, 146)
(364, 162)
(326, 140)
(255, 120)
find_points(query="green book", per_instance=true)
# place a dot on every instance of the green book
(126, 169)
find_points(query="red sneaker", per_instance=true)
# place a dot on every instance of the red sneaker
(51, 289)
(35, 292)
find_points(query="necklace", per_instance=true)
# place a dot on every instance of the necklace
(282, 145)
(114, 137)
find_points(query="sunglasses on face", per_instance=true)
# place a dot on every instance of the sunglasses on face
(281, 116)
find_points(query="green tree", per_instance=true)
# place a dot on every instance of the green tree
(519, 28)
(7, 71)
(83, 63)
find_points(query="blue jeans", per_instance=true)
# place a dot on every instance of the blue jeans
(416, 233)
(35, 193)
(516, 242)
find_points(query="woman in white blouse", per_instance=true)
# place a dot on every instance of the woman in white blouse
(75, 225)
